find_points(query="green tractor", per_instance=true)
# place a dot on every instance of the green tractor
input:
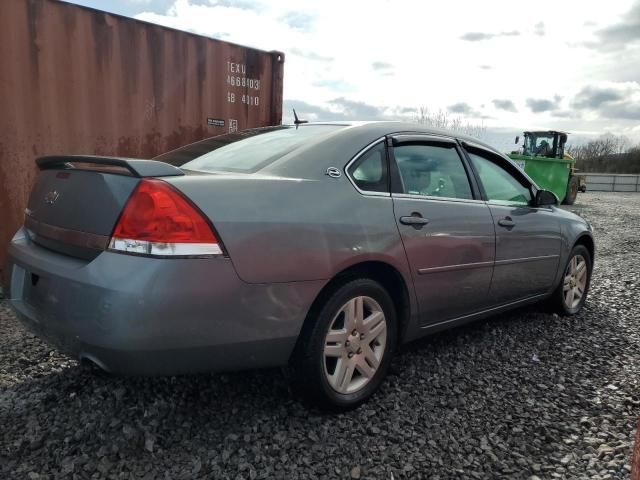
(543, 158)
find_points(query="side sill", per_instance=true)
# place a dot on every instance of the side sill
(454, 322)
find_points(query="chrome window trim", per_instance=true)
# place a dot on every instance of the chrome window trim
(496, 203)
(355, 159)
(412, 196)
(493, 203)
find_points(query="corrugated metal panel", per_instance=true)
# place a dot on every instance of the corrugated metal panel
(625, 188)
(77, 80)
(595, 178)
(607, 182)
(628, 179)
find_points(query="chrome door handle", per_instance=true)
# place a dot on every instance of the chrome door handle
(506, 222)
(414, 220)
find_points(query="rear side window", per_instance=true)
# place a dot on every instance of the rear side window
(369, 172)
(246, 151)
(499, 185)
(433, 170)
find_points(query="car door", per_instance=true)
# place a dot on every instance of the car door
(446, 229)
(528, 240)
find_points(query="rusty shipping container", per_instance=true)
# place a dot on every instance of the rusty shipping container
(78, 80)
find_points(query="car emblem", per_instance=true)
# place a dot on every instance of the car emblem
(333, 172)
(51, 197)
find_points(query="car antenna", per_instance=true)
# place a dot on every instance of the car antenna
(297, 121)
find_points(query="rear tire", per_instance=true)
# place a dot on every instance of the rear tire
(571, 294)
(345, 347)
(572, 191)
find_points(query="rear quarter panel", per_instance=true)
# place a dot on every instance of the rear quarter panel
(281, 229)
(293, 223)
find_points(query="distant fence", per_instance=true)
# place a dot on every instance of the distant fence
(609, 182)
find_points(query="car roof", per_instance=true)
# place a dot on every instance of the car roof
(396, 127)
(358, 134)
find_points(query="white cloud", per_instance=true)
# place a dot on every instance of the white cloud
(437, 55)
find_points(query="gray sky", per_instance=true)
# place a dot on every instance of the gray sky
(571, 65)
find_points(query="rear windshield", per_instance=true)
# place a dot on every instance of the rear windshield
(246, 151)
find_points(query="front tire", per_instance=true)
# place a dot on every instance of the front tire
(345, 348)
(571, 294)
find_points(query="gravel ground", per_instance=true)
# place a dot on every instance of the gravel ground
(523, 395)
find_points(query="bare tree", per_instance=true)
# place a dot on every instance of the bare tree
(442, 119)
(607, 154)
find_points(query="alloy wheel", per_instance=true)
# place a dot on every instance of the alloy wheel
(355, 344)
(575, 281)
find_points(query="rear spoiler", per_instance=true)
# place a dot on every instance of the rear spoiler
(135, 167)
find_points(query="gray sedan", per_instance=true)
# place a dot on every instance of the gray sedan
(320, 247)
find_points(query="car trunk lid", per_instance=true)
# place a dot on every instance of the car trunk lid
(77, 200)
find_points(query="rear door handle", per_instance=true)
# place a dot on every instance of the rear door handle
(506, 222)
(415, 220)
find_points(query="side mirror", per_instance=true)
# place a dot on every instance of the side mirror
(517, 139)
(545, 198)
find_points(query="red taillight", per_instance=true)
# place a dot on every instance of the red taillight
(159, 220)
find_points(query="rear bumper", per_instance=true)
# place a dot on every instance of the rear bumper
(147, 316)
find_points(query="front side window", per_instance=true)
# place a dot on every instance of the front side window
(369, 172)
(433, 170)
(500, 186)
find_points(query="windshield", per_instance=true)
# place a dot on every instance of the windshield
(246, 151)
(540, 143)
